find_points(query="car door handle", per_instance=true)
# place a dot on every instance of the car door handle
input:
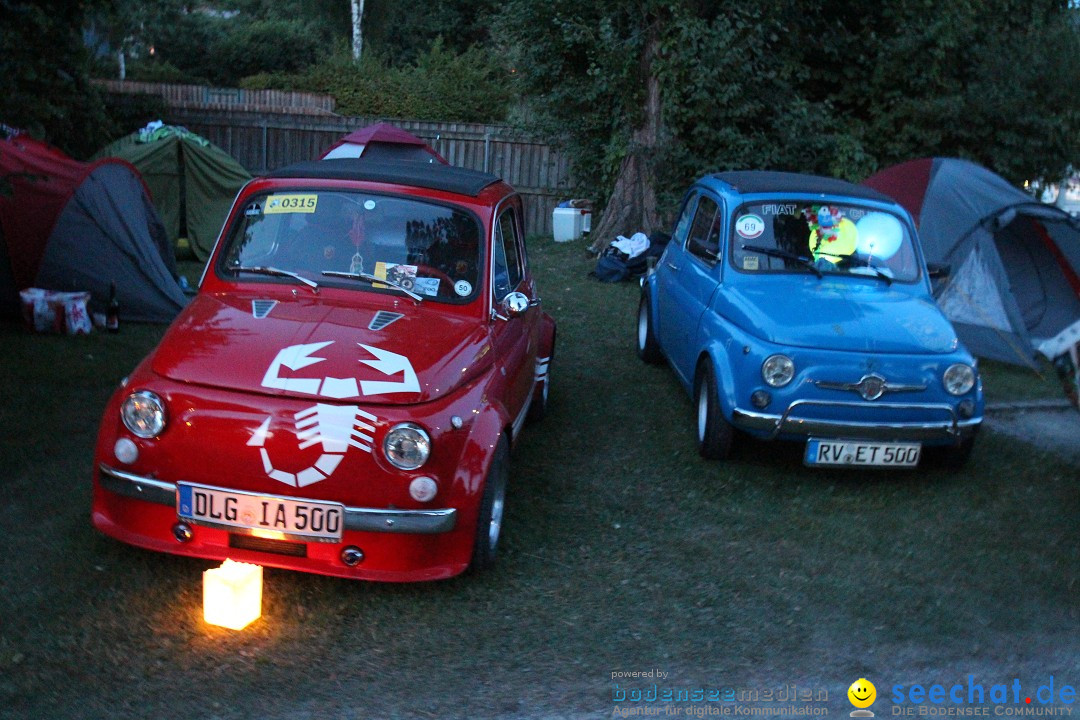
(672, 265)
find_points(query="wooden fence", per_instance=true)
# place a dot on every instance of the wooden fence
(268, 136)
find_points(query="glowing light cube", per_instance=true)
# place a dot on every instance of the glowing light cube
(232, 594)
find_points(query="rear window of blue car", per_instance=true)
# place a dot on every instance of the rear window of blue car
(831, 237)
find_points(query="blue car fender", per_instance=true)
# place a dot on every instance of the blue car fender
(717, 352)
(648, 287)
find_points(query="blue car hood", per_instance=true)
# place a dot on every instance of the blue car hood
(839, 314)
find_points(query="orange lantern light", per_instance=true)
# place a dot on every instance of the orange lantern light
(232, 594)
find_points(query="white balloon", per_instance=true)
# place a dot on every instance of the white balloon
(880, 235)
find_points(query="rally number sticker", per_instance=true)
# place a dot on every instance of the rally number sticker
(750, 227)
(276, 204)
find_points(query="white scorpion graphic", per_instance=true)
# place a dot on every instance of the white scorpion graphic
(337, 427)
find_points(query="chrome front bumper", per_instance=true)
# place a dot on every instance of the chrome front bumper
(418, 522)
(951, 427)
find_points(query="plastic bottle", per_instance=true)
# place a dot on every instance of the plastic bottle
(112, 317)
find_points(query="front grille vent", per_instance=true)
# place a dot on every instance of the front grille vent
(262, 308)
(382, 319)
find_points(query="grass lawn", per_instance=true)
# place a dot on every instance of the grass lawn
(623, 551)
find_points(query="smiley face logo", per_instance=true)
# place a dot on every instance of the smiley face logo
(862, 693)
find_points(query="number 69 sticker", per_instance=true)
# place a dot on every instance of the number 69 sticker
(750, 226)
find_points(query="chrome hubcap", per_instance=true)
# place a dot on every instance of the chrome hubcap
(702, 412)
(496, 519)
(642, 326)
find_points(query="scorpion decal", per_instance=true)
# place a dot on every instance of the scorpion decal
(336, 427)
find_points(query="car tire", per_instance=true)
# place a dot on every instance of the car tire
(647, 347)
(950, 457)
(492, 504)
(714, 432)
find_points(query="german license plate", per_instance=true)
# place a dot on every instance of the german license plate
(854, 453)
(303, 519)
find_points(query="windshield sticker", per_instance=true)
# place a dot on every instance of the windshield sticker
(427, 286)
(750, 262)
(463, 288)
(778, 209)
(369, 205)
(750, 226)
(403, 275)
(254, 209)
(276, 204)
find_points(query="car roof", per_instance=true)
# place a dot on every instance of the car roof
(434, 176)
(747, 182)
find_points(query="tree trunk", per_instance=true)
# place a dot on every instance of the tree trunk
(632, 206)
(357, 35)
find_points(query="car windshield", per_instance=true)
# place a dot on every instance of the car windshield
(822, 239)
(327, 236)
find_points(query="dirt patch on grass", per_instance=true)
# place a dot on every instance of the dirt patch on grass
(1050, 426)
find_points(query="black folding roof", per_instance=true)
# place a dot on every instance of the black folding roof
(434, 176)
(767, 181)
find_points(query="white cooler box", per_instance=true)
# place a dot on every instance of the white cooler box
(570, 223)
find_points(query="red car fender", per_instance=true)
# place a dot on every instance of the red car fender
(477, 456)
(547, 337)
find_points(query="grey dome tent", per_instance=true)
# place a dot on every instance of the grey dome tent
(68, 225)
(1014, 285)
(192, 181)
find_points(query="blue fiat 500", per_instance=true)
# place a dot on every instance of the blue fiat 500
(798, 308)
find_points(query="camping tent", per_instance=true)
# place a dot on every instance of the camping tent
(1015, 262)
(75, 226)
(383, 142)
(193, 183)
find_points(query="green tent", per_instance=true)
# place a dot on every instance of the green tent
(193, 182)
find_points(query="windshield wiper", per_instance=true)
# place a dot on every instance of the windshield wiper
(878, 272)
(372, 279)
(277, 272)
(786, 256)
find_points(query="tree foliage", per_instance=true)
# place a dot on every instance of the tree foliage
(469, 86)
(44, 84)
(840, 88)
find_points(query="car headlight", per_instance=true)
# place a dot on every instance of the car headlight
(143, 414)
(778, 370)
(407, 446)
(958, 379)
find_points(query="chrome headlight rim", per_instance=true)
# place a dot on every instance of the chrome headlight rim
(143, 414)
(778, 370)
(958, 379)
(406, 446)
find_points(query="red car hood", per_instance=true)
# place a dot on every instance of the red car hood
(316, 347)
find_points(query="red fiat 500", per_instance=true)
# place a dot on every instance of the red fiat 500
(342, 394)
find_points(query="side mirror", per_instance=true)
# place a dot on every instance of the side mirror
(938, 270)
(514, 304)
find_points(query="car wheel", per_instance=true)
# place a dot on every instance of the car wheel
(492, 504)
(950, 457)
(647, 347)
(714, 433)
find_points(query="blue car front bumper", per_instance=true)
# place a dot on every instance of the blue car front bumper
(941, 426)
